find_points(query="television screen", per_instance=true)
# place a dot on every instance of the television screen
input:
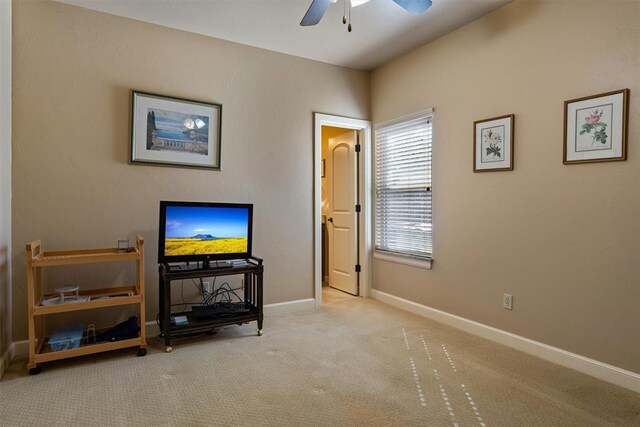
(195, 231)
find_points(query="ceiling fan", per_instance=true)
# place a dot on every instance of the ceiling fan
(319, 7)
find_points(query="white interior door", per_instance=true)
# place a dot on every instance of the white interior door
(342, 222)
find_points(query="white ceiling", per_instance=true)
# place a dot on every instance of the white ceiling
(382, 30)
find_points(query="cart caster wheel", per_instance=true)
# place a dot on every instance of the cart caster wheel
(168, 349)
(259, 332)
(142, 352)
(36, 370)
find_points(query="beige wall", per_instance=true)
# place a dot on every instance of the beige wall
(73, 72)
(5, 176)
(564, 240)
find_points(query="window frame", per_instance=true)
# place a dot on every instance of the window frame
(392, 256)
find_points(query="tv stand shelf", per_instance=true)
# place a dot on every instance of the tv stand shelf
(39, 351)
(252, 299)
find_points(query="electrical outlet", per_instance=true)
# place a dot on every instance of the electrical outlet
(507, 301)
(206, 286)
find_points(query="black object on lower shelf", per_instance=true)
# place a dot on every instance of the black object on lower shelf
(122, 331)
(218, 310)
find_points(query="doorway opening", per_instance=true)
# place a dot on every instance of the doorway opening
(342, 213)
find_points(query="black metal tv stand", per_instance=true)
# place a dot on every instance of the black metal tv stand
(252, 299)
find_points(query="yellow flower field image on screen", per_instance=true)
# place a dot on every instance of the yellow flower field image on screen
(206, 230)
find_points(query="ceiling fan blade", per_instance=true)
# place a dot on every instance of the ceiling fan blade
(415, 7)
(315, 12)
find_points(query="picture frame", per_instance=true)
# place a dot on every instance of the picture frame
(172, 131)
(596, 127)
(493, 144)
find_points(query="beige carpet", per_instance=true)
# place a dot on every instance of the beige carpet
(353, 362)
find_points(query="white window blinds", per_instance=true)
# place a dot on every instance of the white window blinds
(403, 186)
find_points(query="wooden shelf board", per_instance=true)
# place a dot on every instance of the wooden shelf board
(47, 355)
(136, 298)
(84, 256)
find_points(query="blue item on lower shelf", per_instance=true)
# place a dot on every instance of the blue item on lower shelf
(66, 337)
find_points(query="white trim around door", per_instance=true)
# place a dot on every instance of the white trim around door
(364, 222)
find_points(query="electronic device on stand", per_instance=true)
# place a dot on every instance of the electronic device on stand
(198, 240)
(204, 233)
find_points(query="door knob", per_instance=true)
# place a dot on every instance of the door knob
(330, 219)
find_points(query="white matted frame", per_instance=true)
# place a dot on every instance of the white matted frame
(493, 144)
(364, 222)
(595, 128)
(174, 131)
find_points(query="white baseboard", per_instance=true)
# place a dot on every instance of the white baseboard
(603, 371)
(152, 329)
(6, 358)
(289, 306)
(20, 350)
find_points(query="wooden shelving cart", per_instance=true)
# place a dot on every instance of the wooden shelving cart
(39, 351)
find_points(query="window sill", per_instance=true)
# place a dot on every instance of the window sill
(399, 259)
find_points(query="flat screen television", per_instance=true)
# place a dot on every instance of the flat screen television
(204, 232)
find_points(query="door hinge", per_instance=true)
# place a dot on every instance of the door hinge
(357, 268)
(358, 147)
(358, 208)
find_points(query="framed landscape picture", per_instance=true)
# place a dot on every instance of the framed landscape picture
(595, 128)
(493, 144)
(173, 131)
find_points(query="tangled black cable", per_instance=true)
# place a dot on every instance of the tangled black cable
(222, 295)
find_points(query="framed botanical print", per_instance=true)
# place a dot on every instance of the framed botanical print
(493, 144)
(595, 128)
